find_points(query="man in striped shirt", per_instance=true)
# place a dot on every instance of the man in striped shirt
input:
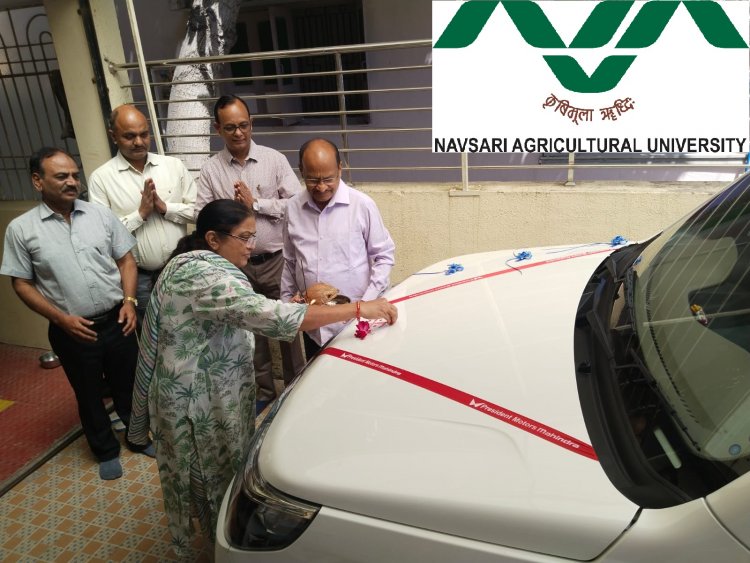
(262, 179)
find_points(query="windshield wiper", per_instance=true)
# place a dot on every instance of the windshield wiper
(612, 380)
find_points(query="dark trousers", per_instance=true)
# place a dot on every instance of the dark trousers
(266, 280)
(143, 294)
(113, 356)
(311, 347)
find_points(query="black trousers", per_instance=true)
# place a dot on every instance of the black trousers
(311, 347)
(113, 356)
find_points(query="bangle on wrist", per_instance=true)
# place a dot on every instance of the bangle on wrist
(358, 304)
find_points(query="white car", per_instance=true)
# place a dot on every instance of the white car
(584, 403)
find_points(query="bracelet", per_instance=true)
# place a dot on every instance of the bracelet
(358, 303)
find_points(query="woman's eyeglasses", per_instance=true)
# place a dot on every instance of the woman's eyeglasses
(249, 240)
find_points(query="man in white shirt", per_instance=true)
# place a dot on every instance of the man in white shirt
(153, 195)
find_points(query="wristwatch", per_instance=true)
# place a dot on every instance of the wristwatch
(133, 300)
(256, 207)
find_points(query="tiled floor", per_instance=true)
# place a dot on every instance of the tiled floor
(64, 512)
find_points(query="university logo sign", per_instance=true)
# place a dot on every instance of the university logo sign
(588, 76)
(598, 30)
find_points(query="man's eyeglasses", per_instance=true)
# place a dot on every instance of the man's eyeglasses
(249, 240)
(231, 128)
(312, 182)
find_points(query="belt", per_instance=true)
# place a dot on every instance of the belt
(145, 271)
(105, 316)
(260, 258)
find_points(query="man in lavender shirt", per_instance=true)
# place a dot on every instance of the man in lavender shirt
(333, 234)
(262, 179)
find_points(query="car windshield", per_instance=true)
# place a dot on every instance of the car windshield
(691, 306)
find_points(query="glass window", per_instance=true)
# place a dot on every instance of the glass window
(692, 313)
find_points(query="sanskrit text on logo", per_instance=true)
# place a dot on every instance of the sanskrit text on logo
(598, 30)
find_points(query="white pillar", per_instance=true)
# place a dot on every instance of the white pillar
(108, 37)
(77, 71)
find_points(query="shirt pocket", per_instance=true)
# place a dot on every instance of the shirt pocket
(348, 249)
(99, 256)
(165, 189)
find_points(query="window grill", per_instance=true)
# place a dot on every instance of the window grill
(33, 106)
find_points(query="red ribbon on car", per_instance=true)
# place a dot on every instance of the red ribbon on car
(526, 424)
(500, 273)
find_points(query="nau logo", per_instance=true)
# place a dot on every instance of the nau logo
(597, 31)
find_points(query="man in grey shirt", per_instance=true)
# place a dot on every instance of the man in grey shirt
(262, 179)
(70, 261)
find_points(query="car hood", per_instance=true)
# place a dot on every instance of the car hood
(463, 417)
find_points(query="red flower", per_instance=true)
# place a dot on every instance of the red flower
(362, 329)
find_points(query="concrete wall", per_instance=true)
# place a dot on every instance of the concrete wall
(18, 324)
(430, 225)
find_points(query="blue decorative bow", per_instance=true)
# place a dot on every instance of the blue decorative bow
(452, 269)
(518, 257)
(618, 240)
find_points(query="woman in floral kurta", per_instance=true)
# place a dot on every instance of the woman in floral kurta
(195, 385)
(201, 397)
